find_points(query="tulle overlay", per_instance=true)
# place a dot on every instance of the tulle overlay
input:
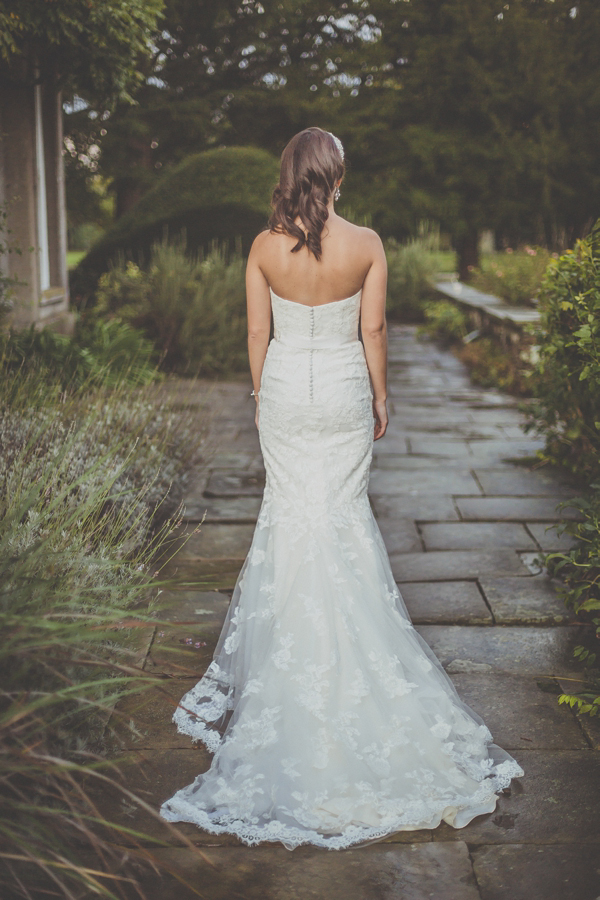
(331, 720)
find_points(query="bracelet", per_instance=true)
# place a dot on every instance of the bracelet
(254, 393)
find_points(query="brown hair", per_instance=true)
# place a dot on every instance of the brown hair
(311, 165)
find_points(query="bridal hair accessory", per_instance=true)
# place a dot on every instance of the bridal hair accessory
(340, 147)
(337, 143)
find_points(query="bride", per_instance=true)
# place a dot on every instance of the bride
(331, 721)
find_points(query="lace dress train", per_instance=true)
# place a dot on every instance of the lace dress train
(331, 721)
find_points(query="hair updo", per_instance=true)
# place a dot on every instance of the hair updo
(311, 166)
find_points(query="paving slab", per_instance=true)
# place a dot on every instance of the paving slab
(182, 650)
(525, 601)
(520, 482)
(223, 483)
(154, 775)
(521, 711)
(400, 535)
(386, 872)
(590, 727)
(202, 574)
(430, 446)
(405, 462)
(450, 565)
(554, 802)
(218, 541)
(426, 508)
(480, 536)
(507, 449)
(516, 509)
(549, 539)
(445, 603)
(233, 510)
(516, 650)
(428, 481)
(225, 460)
(531, 872)
(143, 720)
(203, 608)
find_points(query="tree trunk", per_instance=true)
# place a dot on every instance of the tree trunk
(467, 252)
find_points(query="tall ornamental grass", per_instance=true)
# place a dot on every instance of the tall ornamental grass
(83, 480)
(192, 308)
(411, 270)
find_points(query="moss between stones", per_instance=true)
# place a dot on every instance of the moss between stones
(218, 194)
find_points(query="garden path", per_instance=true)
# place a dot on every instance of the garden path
(463, 525)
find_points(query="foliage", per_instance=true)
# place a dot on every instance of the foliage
(516, 276)
(7, 282)
(83, 476)
(193, 309)
(567, 406)
(444, 321)
(579, 570)
(225, 73)
(98, 353)
(94, 49)
(219, 194)
(492, 364)
(411, 268)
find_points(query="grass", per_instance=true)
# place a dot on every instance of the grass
(73, 257)
(85, 479)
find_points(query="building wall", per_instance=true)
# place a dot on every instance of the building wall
(19, 187)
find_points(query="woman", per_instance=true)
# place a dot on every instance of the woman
(331, 720)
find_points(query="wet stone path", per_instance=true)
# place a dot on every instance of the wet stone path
(463, 522)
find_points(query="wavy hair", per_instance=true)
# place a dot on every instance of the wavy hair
(311, 166)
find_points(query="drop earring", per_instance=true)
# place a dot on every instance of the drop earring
(336, 194)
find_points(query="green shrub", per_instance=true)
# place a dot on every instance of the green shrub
(82, 476)
(411, 268)
(221, 194)
(567, 375)
(579, 570)
(515, 276)
(444, 321)
(194, 310)
(98, 353)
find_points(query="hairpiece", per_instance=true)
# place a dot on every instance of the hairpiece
(338, 144)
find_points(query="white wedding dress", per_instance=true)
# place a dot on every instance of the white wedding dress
(331, 721)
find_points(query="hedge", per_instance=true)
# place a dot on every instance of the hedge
(220, 194)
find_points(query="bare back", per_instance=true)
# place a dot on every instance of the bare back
(348, 253)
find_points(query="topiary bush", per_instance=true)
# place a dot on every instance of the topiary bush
(219, 194)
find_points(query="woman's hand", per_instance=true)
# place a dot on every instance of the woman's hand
(256, 414)
(381, 418)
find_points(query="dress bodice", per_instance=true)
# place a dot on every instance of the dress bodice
(315, 327)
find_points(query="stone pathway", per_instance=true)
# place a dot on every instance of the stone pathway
(463, 525)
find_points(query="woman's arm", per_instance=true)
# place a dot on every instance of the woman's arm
(258, 301)
(374, 331)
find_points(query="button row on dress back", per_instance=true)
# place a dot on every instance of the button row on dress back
(310, 371)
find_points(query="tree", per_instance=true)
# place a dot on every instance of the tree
(222, 72)
(93, 48)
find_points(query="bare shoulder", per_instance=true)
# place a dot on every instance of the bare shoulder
(364, 236)
(260, 242)
(371, 239)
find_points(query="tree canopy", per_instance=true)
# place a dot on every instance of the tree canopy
(94, 48)
(474, 113)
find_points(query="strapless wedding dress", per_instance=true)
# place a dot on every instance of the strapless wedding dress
(331, 721)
